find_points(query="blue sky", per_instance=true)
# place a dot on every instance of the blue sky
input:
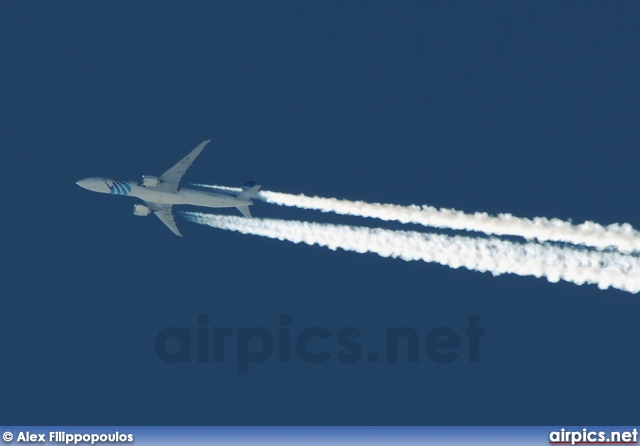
(529, 108)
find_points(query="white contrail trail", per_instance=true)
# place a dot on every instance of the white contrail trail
(580, 266)
(620, 236)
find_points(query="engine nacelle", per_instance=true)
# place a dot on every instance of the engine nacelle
(149, 181)
(141, 210)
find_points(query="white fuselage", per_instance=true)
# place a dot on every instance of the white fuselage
(195, 197)
(187, 196)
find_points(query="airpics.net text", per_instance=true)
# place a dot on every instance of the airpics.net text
(287, 344)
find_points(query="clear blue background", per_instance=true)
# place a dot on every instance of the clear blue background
(524, 107)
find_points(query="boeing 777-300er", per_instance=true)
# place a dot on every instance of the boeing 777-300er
(161, 193)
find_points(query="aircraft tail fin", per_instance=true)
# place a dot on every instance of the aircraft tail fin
(248, 185)
(244, 210)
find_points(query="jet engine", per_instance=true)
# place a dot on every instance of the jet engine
(141, 210)
(149, 181)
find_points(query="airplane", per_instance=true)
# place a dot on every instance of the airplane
(161, 193)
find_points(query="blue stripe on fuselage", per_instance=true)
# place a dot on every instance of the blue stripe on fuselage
(119, 187)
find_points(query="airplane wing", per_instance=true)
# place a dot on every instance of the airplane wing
(171, 178)
(163, 212)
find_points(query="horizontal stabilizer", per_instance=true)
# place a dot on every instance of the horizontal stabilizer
(244, 210)
(247, 194)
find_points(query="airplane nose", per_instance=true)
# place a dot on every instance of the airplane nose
(96, 184)
(85, 184)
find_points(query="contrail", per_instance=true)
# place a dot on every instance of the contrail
(620, 236)
(580, 266)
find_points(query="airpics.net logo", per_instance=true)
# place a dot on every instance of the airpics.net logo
(590, 436)
(285, 343)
